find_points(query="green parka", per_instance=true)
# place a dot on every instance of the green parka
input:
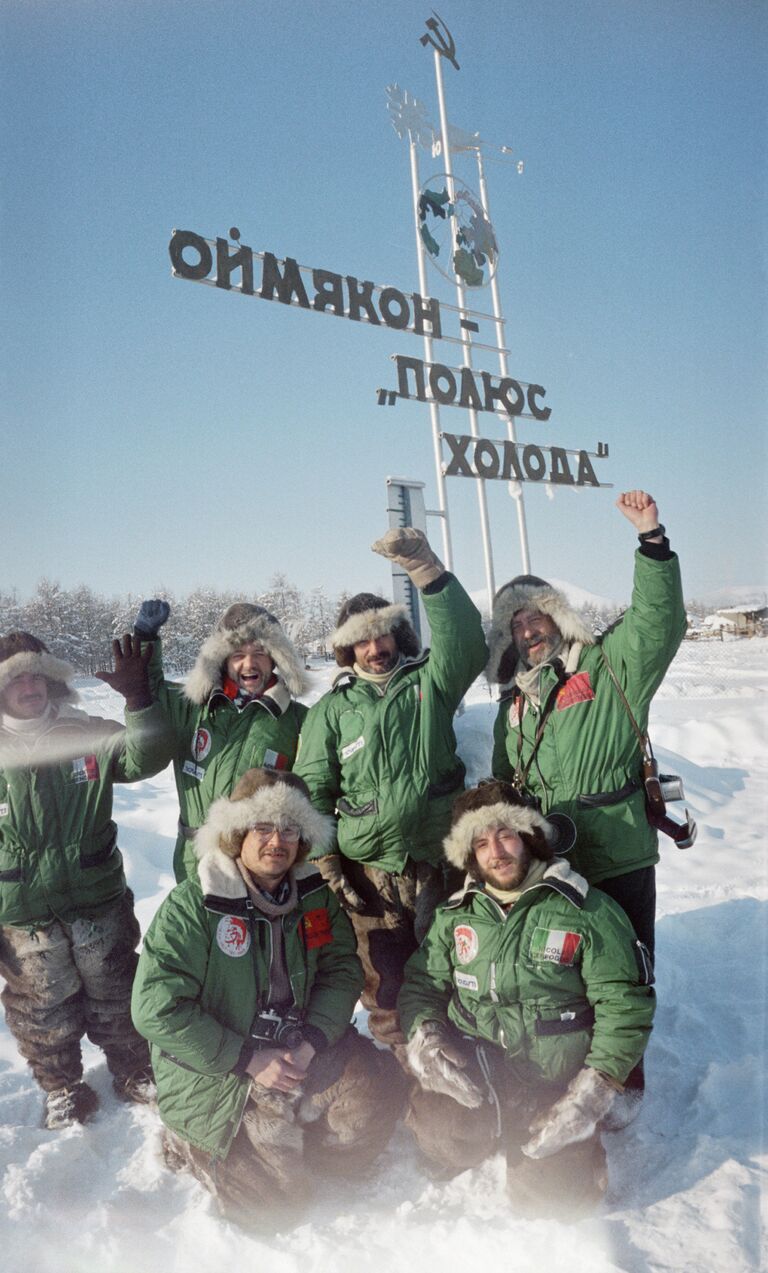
(58, 844)
(215, 744)
(558, 981)
(387, 764)
(588, 763)
(204, 974)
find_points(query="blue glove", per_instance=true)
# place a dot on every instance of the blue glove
(151, 617)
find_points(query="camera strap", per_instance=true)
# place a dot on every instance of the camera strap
(655, 805)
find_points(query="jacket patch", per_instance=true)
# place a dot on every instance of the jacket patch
(554, 946)
(201, 744)
(467, 943)
(194, 771)
(351, 748)
(465, 980)
(4, 809)
(233, 936)
(275, 760)
(577, 689)
(317, 928)
(85, 769)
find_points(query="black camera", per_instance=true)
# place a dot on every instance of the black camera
(269, 1030)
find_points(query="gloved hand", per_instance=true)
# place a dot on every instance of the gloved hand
(131, 675)
(439, 1063)
(329, 867)
(151, 617)
(574, 1117)
(411, 550)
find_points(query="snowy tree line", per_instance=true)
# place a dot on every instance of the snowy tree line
(79, 625)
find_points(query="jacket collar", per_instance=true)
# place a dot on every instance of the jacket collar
(559, 876)
(221, 880)
(347, 676)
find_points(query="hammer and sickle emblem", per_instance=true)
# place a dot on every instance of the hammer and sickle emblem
(444, 44)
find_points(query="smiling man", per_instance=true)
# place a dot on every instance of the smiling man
(564, 734)
(379, 750)
(526, 1007)
(246, 986)
(237, 709)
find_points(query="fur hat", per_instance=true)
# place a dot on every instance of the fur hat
(21, 652)
(366, 616)
(497, 804)
(241, 623)
(264, 795)
(528, 592)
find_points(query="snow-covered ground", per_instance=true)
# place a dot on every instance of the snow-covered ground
(686, 1180)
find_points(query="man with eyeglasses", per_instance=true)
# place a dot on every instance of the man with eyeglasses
(236, 710)
(245, 989)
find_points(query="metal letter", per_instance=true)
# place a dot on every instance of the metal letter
(426, 311)
(470, 396)
(242, 259)
(181, 239)
(444, 44)
(438, 372)
(328, 293)
(534, 463)
(586, 474)
(404, 365)
(398, 320)
(560, 473)
(511, 471)
(458, 465)
(286, 285)
(541, 413)
(489, 467)
(360, 295)
(498, 393)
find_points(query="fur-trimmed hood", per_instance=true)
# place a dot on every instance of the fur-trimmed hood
(558, 830)
(239, 625)
(526, 592)
(256, 798)
(368, 624)
(40, 663)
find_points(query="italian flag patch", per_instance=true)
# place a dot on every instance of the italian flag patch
(554, 946)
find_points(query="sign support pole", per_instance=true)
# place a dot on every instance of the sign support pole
(504, 367)
(466, 343)
(434, 409)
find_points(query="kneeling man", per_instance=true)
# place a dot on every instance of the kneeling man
(526, 1007)
(245, 989)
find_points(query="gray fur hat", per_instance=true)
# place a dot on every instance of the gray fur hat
(366, 616)
(21, 652)
(264, 795)
(528, 592)
(495, 803)
(241, 623)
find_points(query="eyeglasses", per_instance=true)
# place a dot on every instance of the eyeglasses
(264, 831)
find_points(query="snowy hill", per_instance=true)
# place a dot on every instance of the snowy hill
(685, 1178)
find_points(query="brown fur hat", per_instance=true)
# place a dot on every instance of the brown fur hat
(241, 623)
(264, 795)
(494, 803)
(366, 616)
(528, 592)
(21, 652)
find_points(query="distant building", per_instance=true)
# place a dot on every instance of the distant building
(738, 620)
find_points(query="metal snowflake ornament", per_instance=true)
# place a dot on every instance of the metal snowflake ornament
(409, 116)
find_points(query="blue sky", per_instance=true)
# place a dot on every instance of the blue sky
(160, 434)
